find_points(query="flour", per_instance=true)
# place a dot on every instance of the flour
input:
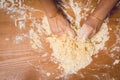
(18, 11)
(116, 62)
(71, 54)
(116, 46)
(21, 14)
(48, 74)
(19, 38)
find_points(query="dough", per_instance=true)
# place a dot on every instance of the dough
(72, 54)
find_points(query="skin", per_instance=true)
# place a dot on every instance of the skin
(60, 25)
(95, 20)
(57, 22)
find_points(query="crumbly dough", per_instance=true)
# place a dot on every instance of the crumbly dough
(72, 54)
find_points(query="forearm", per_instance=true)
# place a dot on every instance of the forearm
(103, 8)
(49, 7)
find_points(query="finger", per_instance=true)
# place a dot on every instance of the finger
(71, 32)
(92, 34)
(82, 32)
(61, 28)
(89, 34)
(54, 28)
(85, 32)
(62, 23)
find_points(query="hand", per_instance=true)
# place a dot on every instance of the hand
(60, 25)
(90, 28)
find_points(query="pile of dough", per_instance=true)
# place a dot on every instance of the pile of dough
(72, 54)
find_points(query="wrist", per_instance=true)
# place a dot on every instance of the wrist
(52, 15)
(94, 21)
(49, 7)
(96, 18)
(99, 14)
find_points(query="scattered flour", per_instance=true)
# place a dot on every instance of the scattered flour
(19, 38)
(116, 46)
(72, 54)
(48, 74)
(116, 62)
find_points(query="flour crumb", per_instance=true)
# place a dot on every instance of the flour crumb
(7, 39)
(116, 62)
(48, 74)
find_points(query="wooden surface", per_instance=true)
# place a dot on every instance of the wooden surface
(18, 61)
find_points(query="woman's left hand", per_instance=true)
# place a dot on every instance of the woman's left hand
(60, 25)
(90, 28)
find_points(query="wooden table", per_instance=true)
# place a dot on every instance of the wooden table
(19, 61)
